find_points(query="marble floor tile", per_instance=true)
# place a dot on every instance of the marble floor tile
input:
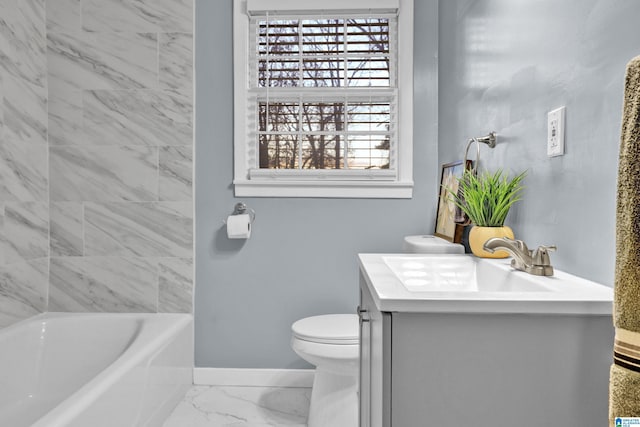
(206, 406)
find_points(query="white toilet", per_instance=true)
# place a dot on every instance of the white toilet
(428, 244)
(331, 343)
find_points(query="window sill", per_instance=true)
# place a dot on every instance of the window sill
(326, 189)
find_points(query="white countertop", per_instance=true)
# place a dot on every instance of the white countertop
(561, 293)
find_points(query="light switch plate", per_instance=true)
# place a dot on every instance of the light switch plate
(555, 132)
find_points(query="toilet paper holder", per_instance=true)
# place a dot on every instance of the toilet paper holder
(241, 208)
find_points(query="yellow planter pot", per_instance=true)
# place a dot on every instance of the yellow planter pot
(479, 235)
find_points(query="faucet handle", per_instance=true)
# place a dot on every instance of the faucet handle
(541, 255)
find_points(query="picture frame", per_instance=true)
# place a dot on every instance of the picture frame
(446, 228)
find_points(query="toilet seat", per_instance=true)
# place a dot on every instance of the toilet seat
(337, 329)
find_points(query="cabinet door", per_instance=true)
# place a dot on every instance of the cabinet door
(365, 362)
(375, 363)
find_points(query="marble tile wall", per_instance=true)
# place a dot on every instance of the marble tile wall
(96, 156)
(24, 183)
(120, 90)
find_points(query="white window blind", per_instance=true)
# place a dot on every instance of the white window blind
(322, 90)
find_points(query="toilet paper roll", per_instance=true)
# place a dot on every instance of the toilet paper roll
(239, 226)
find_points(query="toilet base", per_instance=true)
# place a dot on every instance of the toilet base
(334, 400)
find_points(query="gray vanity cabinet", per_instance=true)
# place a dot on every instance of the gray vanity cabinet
(482, 370)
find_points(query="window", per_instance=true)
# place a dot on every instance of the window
(323, 98)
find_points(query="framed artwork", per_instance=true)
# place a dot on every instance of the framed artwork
(446, 227)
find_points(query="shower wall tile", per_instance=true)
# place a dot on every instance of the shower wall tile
(118, 118)
(137, 15)
(63, 16)
(26, 231)
(104, 173)
(23, 171)
(3, 241)
(162, 229)
(175, 168)
(31, 42)
(102, 61)
(65, 119)
(176, 62)
(12, 311)
(23, 35)
(25, 111)
(103, 284)
(137, 117)
(175, 285)
(24, 213)
(66, 229)
(2, 79)
(6, 36)
(23, 290)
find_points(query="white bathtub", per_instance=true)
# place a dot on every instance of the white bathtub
(98, 370)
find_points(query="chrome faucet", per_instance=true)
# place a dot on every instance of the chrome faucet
(535, 262)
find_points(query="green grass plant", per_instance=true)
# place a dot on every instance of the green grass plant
(487, 198)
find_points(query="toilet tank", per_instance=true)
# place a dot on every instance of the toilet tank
(428, 244)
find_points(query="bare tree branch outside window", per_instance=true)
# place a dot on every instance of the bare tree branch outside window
(317, 112)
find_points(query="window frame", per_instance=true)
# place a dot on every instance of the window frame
(252, 182)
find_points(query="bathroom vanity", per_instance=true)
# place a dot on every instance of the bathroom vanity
(457, 340)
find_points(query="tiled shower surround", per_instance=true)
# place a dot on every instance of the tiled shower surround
(96, 156)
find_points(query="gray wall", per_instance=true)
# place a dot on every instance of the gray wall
(503, 66)
(301, 258)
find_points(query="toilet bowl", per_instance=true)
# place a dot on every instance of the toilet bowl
(331, 343)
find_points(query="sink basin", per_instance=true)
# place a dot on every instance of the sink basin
(454, 273)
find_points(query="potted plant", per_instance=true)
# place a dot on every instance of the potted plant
(486, 200)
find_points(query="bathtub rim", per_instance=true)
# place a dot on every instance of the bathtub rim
(138, 351)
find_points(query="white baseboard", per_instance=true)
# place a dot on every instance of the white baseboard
(253, 377)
